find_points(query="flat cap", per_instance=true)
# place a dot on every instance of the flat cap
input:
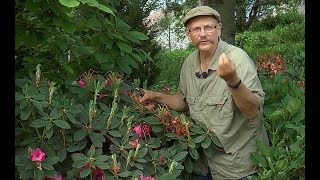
(201, 11)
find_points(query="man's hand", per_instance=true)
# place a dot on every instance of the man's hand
(226, 69)
(147, 95)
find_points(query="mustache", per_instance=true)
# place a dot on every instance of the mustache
(198, 43)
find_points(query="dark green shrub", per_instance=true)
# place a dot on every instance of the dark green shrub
(169, 63)
(283, 19)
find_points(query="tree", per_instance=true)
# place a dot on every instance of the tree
(226, 8)
(247, 11)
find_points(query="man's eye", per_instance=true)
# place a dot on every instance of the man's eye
(196, 29)
(208, 28)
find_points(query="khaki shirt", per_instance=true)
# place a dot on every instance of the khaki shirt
(210, 101)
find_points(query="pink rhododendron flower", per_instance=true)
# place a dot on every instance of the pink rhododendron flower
(81, 82)
(161, 161)
(107, 82)
(168, 128)
(137, 129)
(103, 95)
(37, 155)
(134, 143)
(146, 128)
(142, 177)
(98, 173)
(125, 92)
(142, 130)
(166, 89)
(150, 106)
(85, 166)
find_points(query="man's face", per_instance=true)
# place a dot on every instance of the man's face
(204, 32)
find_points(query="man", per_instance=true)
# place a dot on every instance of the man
(220, 87)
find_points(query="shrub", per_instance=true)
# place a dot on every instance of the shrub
(169, 63)
(285, 123)
(98, 130)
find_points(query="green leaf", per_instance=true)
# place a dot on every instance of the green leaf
(215, 140)
(102, 158)
(138, 35)
(38, 174)
(91, 49)
(97, 139)
(80, 163)
(115, 133)
(92, 151)
(138, 166)
(80, 134)
(69, 27)
(258, 159)
(50, 173)
(199, 138)
(47, 167)
(281, 175)
(125, 174)
(124, 47)
(180, 156)
(62, 153)
(70, 3)
(50, 160)
(188, 164)
(196, 129)
(194, 153)
(37, 104)
(57, 21)
(94, 24)
(84, 173)
(25, 113)
(136, 56)
(39, 123)
(142, 152)
(72, 119)
(293, 105)
(105, 9)
(68, 68)
(21, 160)
(101, 58)
(141, 160)
(168, 176)
(208, 152)
(131, 38)
(31, 39)
(72, 148)
(157, 129)
(123, 65)
(18, 96)
(55, 114)
(23, 104)
(78, 156)
(152, 120)
(62, 124)
(206, 143)
(102, 165)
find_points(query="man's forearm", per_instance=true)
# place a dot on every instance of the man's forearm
(173, 101)
(246, 101)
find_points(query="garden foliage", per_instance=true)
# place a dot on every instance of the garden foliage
(99, 130)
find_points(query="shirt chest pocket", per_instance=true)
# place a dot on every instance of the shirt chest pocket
(214, 111)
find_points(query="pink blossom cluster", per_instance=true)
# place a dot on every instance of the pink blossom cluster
(142, 130)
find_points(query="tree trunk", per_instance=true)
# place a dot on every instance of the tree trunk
(226, 8)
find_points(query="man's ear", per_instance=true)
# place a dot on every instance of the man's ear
(220, 26)
(188, 34)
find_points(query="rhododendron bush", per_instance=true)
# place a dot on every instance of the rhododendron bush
(96, 129)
